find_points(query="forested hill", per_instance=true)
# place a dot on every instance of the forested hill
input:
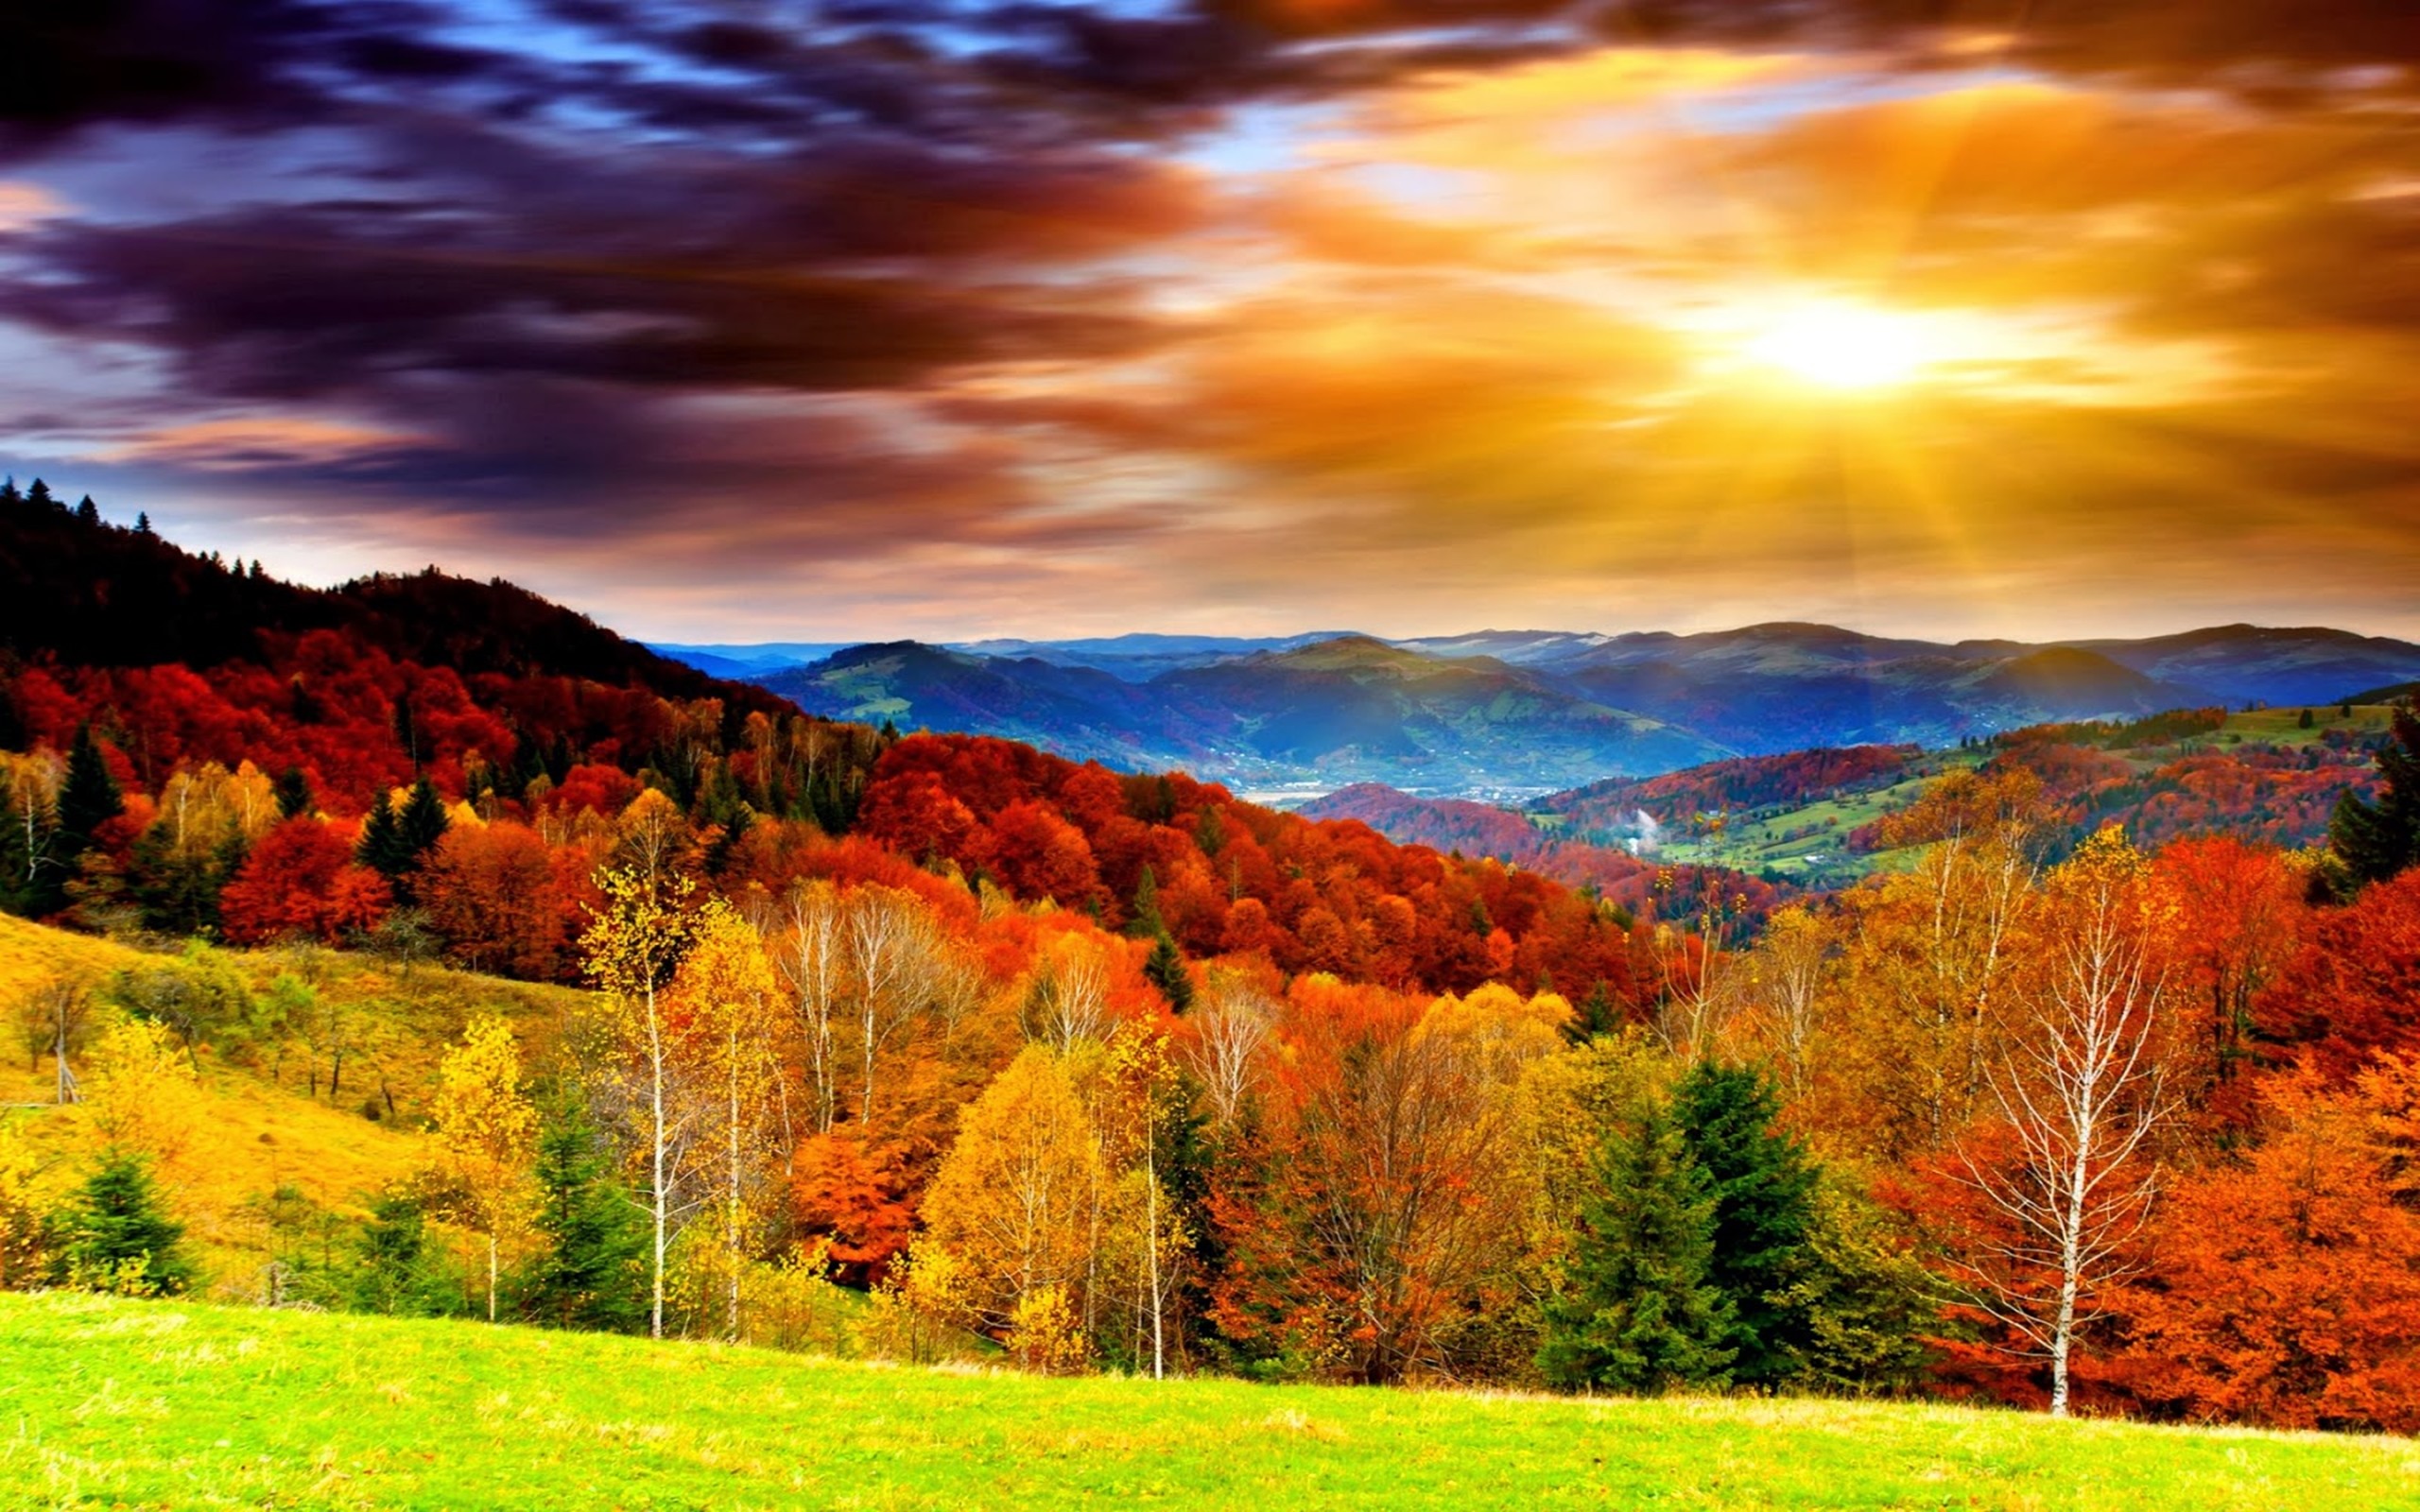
(85, 592)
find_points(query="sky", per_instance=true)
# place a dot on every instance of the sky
(854, 320)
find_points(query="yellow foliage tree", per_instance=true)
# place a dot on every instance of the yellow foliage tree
(1013, 1201)
(725, 996)
(146, 1098)
(23, 1212)
(633, 948)
(487, 1135)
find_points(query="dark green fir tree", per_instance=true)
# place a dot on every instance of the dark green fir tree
(2373, 841)
(1763, 1186)
(1642, 1313)
(1166, 969)
(593, 1272)
(88, 795)
(120, 1236)
(295, 800)
(381, 846)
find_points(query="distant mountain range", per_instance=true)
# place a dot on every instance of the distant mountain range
(1509, 713)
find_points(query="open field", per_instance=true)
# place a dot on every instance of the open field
(175, 1404)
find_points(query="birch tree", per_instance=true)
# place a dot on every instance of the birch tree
(633, 946)
(2081, 1089)
(487, 1138)
(1231, 1025)
(723, 995)
(902, 965)
(809, 940)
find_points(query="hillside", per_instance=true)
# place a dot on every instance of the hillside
(1809, 817)
(95, 594)
(180, 659)
(324, 1104)
(160, 1405)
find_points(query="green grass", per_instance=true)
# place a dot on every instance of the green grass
(107, 1402)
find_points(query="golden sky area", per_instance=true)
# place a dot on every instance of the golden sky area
(1966, 331)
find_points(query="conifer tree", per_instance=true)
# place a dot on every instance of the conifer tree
(1763, 1187)
(121, 1238)
(1165, 970)
(88, 798)
(1597, 1014)
(1146, 905)
(395, 1276)
(295, 798)
(381, 845)
(593, 1272)
(423, 821)
(1642, 1313)
(2373, 841)
(38, 493)
(87, 512)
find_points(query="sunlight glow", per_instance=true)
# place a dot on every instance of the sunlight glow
(1840, 345)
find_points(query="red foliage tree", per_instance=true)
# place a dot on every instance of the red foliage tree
(2352, 989)
(492, 893)
(301, 880)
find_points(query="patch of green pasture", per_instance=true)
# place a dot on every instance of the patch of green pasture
(107, 1402)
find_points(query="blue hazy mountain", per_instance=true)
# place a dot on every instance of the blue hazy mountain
(1505, 711)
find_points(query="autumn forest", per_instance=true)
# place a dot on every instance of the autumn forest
(921, 1045)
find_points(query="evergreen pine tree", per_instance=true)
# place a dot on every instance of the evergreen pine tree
(1165, 969)
(87, 512)
(142, 522)
(1641, 1313)
(423, 821)
(1146, 905)
(594, 1273)
(1763, 1187)
(120, 1238)
(38, 493)
(2306, 722)
(88, 797)
(381, 846)
(398, 1272)
(2373, 841)
(295, 798)
(8, 493)
(1597, 1014)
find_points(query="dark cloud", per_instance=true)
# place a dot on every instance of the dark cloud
(792, 276)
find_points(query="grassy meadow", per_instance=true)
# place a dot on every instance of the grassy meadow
(177, 1404)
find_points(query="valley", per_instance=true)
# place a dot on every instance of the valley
(1511, 718)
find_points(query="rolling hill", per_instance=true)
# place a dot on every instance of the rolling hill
(1510, 715)
(1329, 712)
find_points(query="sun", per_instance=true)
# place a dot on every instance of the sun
(1840, 345)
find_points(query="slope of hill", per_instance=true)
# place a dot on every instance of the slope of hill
(1078, 713)
(153, 1403)
(2246, 663)
(95, 594)
(1808, 818)
(181, 657)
